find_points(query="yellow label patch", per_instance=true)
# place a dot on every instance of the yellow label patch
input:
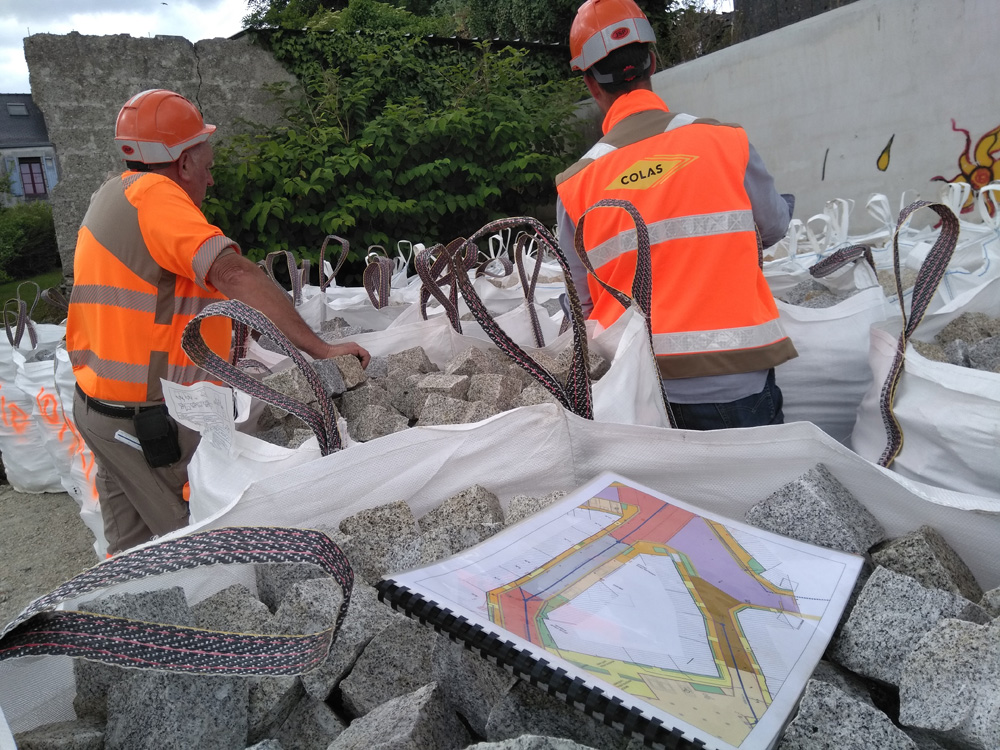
(650, 172)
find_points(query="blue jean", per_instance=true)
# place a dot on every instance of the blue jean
(752, 411)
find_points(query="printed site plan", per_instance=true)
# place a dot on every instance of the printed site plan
(708, 624)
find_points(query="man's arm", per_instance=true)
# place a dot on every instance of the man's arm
(241, 279)
(771, 212)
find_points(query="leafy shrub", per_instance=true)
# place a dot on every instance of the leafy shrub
(27, 240)
(394, 140)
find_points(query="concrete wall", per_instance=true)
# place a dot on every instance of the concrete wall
(822, 99)
(80, 82)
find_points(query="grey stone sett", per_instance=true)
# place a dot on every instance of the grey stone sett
(472, 506)
(991, 602)
(275, 580)
(351, 370)
(291, 382)
(331, 376)
(378, 367)
(985, 355)
(439, 409)
(376, 421)
(405, 396)
(410, 361)
(925, 556)
(421, 719)
(889, 618)
(530, 742)
(312, 724)
(818, 509)
(453, 386)
(951, 685)
(536, 394)
(473, 685)
(234, 609)
(78, 734)
(597, 365)
(470, 362)
(498, 391)
(395, 662)
(308, 607)
(957, 353)
(354, 402)
(522, 506)
(829, 718)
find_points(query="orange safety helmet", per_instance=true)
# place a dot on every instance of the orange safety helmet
(157, 126)
(602, 26)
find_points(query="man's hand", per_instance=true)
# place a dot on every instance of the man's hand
(348, 347)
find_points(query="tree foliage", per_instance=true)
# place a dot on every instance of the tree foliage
(394, 139)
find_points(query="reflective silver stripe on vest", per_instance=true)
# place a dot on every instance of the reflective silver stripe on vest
(206, 255)
(130, 373)
(113, 296)
(683, 227)
(598, 150)
(128, 299)
(726, 339)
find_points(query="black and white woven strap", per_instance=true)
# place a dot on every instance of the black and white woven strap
(294, 274)
(436, 268)
(495, 268)
(41, 630)
(929, 276)
(528, 285)
(840, 258)
(56, 299)
(377, 276)
(576, 394)
(323, 421)
(345, 247)
(642, 281)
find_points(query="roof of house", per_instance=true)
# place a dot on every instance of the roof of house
(21, 122)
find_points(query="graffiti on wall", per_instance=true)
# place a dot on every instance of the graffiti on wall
(979, 168)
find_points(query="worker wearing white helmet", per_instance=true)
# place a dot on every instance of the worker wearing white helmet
(707, 198)
(146, 263)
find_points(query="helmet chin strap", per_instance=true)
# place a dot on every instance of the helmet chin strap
(630, 73)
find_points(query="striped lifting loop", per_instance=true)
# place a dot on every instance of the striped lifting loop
(42, 630)
(322, 422)
(929, 276)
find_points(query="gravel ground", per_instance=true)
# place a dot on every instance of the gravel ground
(43, 543)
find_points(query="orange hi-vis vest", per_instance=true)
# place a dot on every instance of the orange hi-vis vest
(712, 311)
(142, 255)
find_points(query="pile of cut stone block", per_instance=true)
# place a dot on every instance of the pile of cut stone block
(407, 389)
(915, 662)
(811, 293)
(970, 340)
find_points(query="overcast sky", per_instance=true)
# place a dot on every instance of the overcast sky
(193, 19)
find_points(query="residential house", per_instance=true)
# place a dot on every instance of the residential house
(27, 156)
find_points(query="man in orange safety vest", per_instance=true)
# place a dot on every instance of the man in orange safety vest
(147, 262)
(706, 197)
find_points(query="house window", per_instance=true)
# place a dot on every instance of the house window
(17, 109)
(32, 177)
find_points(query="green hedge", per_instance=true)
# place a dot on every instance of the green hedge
(27, 240)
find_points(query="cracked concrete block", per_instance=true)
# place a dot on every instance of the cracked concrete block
(522, 506)
(312, 724)
(453, 386)
(818, 509)
(366, 618)
(526, 709)
(395, 662)
(927, 557)
(889, 618)
(351, 369)
(498, 391)
(950, 684)
(376, 421)
(473, 505)
(422, 719)
(829, 716)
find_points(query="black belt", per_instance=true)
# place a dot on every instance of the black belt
(118, 412)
